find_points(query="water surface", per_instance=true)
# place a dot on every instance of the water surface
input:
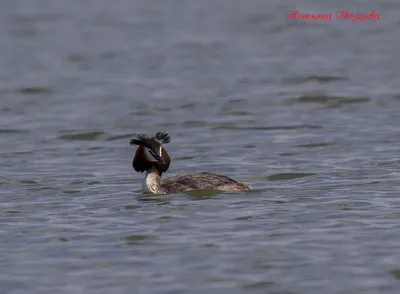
(305, 112)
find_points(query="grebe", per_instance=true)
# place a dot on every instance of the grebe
(152, 158)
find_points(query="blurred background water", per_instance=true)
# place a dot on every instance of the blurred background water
(306, 112)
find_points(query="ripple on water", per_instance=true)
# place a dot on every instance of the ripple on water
(314, 78)
(35, 90)
(89, 136)
(120, 137)
(261, 285)
(317, 145)
(12, 131)
(265, 128)
(396, 274)
(326, 99)
(134, 240)
(289, 176)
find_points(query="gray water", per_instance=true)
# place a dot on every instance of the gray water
(306, 112)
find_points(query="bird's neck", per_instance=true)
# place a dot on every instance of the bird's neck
(152, 182)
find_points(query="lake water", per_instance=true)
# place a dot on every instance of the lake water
(306, 112)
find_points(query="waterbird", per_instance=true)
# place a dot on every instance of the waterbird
(152, 158)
